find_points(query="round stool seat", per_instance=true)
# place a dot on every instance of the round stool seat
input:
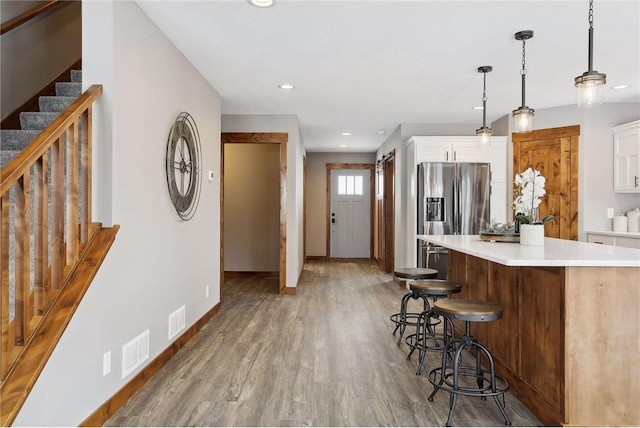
(435, 287)
(415, 273)
(468, 310)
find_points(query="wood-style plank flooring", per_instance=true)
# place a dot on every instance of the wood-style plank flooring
(325, 357)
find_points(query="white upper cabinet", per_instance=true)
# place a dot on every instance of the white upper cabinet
(626, 158)
(450, 149)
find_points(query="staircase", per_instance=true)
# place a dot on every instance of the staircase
(50, 248)
(12, 141)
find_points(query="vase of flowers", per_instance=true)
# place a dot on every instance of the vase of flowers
(528, 189)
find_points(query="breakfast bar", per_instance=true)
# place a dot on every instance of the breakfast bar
(569, 340)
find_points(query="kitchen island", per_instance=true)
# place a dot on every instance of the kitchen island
(569, 340)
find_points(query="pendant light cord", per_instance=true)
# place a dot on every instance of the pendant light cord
(484, 100)
(590, 36)
(523, 72)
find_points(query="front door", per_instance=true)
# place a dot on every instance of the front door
(350, 216)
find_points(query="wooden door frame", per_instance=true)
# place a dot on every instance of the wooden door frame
(388, 203)
(280, 138)
(357, 166)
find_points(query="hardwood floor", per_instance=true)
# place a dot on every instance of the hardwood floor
(325, 357)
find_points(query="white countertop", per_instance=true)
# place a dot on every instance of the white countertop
(612, 233)
(555, 252)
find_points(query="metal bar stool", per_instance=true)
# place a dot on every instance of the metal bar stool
(425, 339)
(403, 318)
(448, 377)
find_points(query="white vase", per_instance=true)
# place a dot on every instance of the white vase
(531, 234)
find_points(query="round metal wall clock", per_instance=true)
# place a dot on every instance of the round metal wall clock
(183, 166)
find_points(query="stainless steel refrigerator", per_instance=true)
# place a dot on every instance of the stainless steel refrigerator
(453, 199)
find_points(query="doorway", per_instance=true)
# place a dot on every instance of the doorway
(350, 196)
(279, 139)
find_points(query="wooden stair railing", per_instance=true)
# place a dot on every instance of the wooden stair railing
(43, 238)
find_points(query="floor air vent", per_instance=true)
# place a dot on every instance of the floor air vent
(176, 321)
(134, 353)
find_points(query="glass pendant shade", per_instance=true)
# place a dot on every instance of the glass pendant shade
(590, 94)
(523, 120)
(484, 135)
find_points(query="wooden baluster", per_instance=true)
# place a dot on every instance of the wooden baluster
(4, 291)
(85, 174)
(40, 234)
(21, 201)
(57, 214)
(72, 193)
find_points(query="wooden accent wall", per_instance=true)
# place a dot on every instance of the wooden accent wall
(554, 152)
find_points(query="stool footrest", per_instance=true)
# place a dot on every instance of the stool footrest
(435, 377)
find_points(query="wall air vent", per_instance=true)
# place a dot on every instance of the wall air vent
(134, 353)
(176, 321)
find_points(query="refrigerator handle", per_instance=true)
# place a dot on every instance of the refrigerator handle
(456, 202)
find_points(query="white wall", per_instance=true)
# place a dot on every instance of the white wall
(295, 176)
(34, 54)
(157, 262)
(317, 195)
(595, 159)
(252, 207)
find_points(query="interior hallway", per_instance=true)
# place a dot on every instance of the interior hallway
(325, 357)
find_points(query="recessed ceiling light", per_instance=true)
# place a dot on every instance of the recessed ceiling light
(286, 86)
(262, 3)
(620, 87)
(346, 134)
(478, 108)
(343, 145)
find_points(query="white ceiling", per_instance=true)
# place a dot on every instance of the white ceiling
(366, 66)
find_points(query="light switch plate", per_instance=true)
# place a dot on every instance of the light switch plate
(210, 176)
(106, 363)
(610, 213)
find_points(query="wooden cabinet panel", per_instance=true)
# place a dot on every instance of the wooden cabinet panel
(542, 332)
(503, 336)
(477, 284)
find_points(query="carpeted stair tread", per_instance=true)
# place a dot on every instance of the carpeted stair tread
(76, 76)
(58, 104)
(6, 156)
(37, 120)
(16, 139)
(68, 89)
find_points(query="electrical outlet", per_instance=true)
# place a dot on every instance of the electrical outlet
(610, 213)
(206, 292)
(106, 363)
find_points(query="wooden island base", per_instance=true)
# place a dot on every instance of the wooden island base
(569, 341)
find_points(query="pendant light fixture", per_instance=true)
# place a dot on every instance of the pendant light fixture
(590, 83)
(484, 133)
(523, 115)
